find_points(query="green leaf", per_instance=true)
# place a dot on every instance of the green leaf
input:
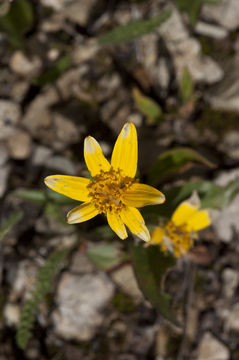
(55, 72)
(175, 161)
(150, 266)
(220, 197)
(186, 85)
(133, 30)
(42, 287)
(7, 224)
(212, 2)
(192, 8)
(43, 196)
(17, 22)
(104, 256)
(148, 107)
(54, 210)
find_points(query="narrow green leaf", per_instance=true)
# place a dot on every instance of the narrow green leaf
(17, 22)
(186, 85)
(148, 107)
(7, 224)
(42, 287)
(43, 196)
(212, 2)
(150, 266)
(133, 30)
(220, 197)
(174, 161)
(104, 256)
(192, 8)
(55, 72)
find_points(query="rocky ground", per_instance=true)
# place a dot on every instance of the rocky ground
(56, 87)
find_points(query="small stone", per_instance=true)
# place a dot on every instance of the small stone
(40, 155)
(4, 173)
(211, 348)
(81, 300)
(84, 52)
(186, 51)
(232, 321)
(61, 164)
(24, 280)
(226, 223)
(4, 154)
(19, 90)
(81, 264)
(24, 66)
(65, 130)
(230, 280)
(225, 13)
(210, 30)
(9, 117)
(124, 278)
(19, 144)
(230, 144)
(80, 11)
(11, 314)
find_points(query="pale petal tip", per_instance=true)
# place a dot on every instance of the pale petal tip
(127, 128)
(144, 235)
(122, 235)
(51, 181)
(90, 145)
(161, 199)
(73, 219)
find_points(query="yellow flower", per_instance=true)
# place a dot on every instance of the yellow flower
(113, 190)
(178, 234)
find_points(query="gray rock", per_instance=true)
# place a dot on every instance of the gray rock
(225, 95)
(81, 264)
(230, 280)
(26, 67)
(210, 348)
(186, 51)
(214, 31)
(81, 300)
(226, 223)
(230, 144)
(125, 279)
(79, 11)
(19, 144)
(9, 117)
(11, 314)
(225, 13)
(40, 155)
(23, 280)
(4, 173)
(232, 321)
(61, 164)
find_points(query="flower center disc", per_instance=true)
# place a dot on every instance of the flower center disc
(181, 239)
(107, 188)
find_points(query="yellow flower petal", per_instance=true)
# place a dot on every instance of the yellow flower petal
(94, 157)
(125, 153)
(135, 222)
(198, 221)
(157, 235)
(117, 225)
(72, 186)
(140, 195)
(183, 212)
(82, 213)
